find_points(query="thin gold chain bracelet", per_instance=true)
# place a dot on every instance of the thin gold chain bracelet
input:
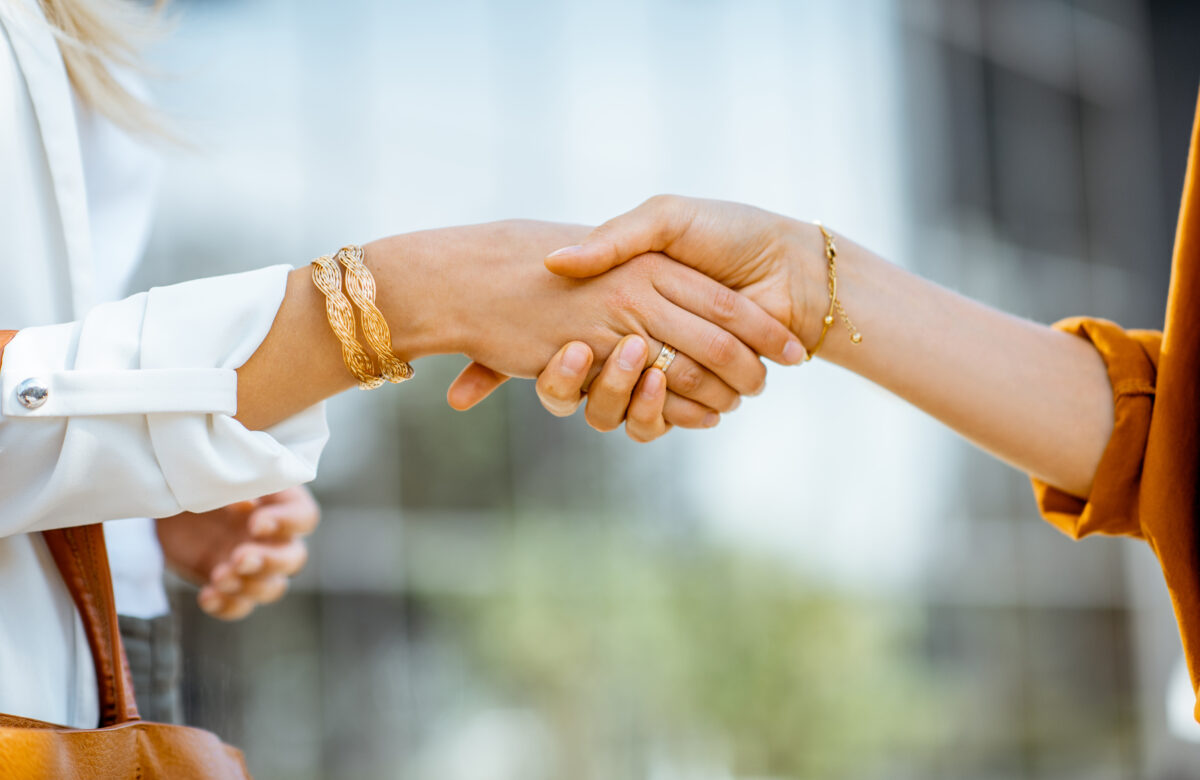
(361, 286)
(328, 279)
(835, 305)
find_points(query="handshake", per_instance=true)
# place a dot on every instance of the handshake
(660, 318)
(657, 318)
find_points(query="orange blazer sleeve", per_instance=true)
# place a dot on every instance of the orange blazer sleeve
(1148, 481)
(1112, 507)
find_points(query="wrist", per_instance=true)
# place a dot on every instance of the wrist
(413, 295)
(807, 278)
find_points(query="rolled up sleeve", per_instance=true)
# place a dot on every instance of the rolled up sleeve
(1112, 507)
(133, 414)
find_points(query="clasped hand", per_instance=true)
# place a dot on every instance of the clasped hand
(714, 280)
(241, 555)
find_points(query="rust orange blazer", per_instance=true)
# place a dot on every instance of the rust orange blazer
(1146, 484)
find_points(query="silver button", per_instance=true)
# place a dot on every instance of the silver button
(32, 393)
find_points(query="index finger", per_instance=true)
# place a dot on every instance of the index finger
(692, 290)
(258, 559)
(560, 386)
(710, 345)
(475, 383)
(297, 515)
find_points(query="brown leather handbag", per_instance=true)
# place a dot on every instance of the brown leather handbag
(124, 746)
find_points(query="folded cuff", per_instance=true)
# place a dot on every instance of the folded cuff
(1112, 507)
(136, 412)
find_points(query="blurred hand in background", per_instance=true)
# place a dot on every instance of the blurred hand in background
(241, 555)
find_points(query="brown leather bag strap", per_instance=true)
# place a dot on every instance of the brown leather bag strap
(82, 560)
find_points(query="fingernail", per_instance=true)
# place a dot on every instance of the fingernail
(736, 403)
(711, 419)
(632, 354)
(794, 353)
(575, 358)
(250, 565)
(209, 600)
(263, 525)
(228, 585)
(653, 384)
(566, 251)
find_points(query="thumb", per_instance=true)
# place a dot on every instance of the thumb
(475, 383)
(651, 227)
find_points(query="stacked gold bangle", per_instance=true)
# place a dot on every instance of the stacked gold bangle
(835, 305)
(327, 276)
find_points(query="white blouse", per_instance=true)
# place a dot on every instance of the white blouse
(121, 178)
(122, 410)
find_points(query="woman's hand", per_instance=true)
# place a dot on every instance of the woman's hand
(1036, 397)
(753, 251)
(493, 300)
(767, 257)
(484, 291)
(611, 398)
(242, 555)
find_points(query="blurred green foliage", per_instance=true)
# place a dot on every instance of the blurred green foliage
(641, 647)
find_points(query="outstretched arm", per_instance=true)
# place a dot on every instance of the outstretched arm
(482, 291)
(1032, 396)
(135, 409)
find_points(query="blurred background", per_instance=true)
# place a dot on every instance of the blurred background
(829, 585)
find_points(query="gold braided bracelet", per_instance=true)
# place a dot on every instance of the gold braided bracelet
(361, 286)
(834, 304)
(328, 279)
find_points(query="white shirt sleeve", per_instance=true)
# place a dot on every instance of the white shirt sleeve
(137, 414)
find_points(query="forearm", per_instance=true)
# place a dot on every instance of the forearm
(300, 361)
(1037, 398)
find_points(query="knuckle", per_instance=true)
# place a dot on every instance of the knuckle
(637, 434)
(598, 421)
(778, 338)
(602, 232)
(679, 412)
(760, 375)
(725, 304)
(687, 380)
(756, 381)
(560, 409)
(638, 275)
(722, 349)
(557, 399)
(728, 402)
(606, 235)
(621, 297)
(237, 609)
(643, 416)
(662, 202)
(275, 591)
(611, 382)
(648, 265)
(309, 523)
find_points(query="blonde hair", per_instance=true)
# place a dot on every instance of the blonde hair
(96, 35)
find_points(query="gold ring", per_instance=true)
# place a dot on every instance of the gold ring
(666, 356)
